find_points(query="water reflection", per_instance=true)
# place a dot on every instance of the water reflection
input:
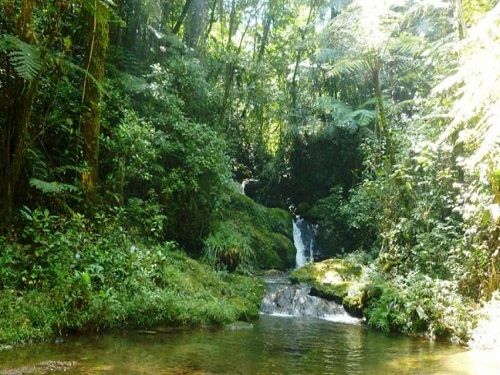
(273, 346)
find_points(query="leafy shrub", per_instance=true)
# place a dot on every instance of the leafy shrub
(416, 303)
(158, 151)
(228, 247)
(79, 274)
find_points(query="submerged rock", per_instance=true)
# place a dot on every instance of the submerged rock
(41, 368)
(237, 326)
(146, 332)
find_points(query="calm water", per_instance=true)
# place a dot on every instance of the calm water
(273, 346)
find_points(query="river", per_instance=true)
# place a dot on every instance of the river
(273, 345)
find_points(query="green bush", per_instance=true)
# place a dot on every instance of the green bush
(228, 247)
(77, 274)
(416, 303)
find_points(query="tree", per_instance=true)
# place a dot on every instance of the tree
(91, 95)
(20, 62)
(195, 23)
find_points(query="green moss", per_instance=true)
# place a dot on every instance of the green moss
(334, 279)
(267, 232)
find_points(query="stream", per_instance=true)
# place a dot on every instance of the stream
(273, 345)
(295, 334)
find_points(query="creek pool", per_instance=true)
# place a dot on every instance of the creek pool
(274, 345)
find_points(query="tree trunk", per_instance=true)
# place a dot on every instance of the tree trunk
(381, 122)
(91, 96)
(229, 71)
(132, 16)
(165, 14)
(265, 37)
(212, 19)
(180, 20)
(17, 101)
(195, 23)
(459, 19)
(298, 57)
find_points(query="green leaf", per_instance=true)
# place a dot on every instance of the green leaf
(24, 57)
(53, 187)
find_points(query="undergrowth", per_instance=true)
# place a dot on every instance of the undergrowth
(65, 274)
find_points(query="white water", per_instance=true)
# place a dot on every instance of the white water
(290, 300)
(303, 239)
(245, 182)
(287, 300)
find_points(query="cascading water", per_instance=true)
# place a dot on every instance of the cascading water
(244, 183)
(303, 239)
(290, 300)
(286, 299)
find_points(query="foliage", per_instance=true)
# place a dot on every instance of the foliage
(246, 233)
(228, 247)
(412, 303)
(24, 57)
(75, 274)
(377, 120)
(416, 303)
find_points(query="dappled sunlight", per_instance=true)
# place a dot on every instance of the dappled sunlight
(478, 96)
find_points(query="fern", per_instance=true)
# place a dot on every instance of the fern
(24, 57)
(363, 117)
(346, 66)
(53, 187)
(407, 44)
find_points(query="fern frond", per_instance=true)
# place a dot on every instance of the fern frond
(53, 187)
(25, 58)
(346, 65)
(407, 44)
(363, 117)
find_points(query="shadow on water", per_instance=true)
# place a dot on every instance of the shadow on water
(274, 345)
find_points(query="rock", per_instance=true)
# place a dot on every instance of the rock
(296, 300)
(146, 332)
(336, 280)
(238, 326)
(320, 293)
(273, 273)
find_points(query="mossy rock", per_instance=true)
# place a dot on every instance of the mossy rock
(268, 231)
(336, 280)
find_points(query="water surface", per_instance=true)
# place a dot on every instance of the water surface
(274, 345)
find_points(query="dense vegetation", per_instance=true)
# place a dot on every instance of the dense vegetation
(125, 123)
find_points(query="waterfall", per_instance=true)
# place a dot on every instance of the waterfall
(245, 182)
(303, 239)
(289, 300)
